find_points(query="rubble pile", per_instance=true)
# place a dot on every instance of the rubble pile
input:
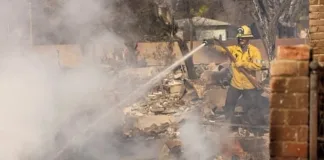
(159, 115)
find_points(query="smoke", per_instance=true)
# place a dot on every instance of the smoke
(14, 18)
(27, 104)
(45, 107)
(194, 140)
(202, 142)
(42, 107)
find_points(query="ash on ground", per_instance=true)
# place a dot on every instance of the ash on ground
(159, 115)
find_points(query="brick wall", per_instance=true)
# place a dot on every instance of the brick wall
(289, 103)
(316, 24)
(290, 91)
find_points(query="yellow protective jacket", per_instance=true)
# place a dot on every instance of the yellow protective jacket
(252, 61)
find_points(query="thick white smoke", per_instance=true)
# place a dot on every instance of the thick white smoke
(27, 104)
(45, 108)
(201, 141)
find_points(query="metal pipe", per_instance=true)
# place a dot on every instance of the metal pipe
(313, 108)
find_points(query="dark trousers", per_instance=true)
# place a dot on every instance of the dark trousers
(233, 94)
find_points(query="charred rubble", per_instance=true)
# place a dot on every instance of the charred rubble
(154, 121)
(169, 104)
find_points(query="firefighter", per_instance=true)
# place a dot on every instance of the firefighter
(248, 57)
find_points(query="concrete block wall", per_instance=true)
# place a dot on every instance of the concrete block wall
(289, 103)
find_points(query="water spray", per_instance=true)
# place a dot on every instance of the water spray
(133, 96)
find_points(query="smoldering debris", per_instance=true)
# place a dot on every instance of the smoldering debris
(167, 122)
(47, 110)
(178, 117)
(161, 123)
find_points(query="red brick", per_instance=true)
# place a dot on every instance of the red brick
(314, 29)
(289, 133)
(282, 133)
(298, 85)
(317, 22)
(297, 117)
(296, 52)
(312, 2)
(289, 100)
(302, 134)
(302, 100)
(289, 68)
(316, 35)
(278, 84)
(283, 100)
(318, 50)
(303, 68)
(276, 148)
(316, 15)
(291, 149)
(277, 117)
(317, 43)
(289, 85)
(319, 57)
(316, 8)
(284, 68)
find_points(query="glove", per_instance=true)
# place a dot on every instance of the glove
(208, 42)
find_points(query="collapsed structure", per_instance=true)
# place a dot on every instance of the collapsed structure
(158, 117)
(176, 99)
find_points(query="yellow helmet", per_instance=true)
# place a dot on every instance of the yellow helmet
(244, 32)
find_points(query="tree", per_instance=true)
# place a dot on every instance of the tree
(287, 21)
(267, 14)
(297, 8)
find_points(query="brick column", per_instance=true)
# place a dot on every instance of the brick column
(289, 103)
(316, 28)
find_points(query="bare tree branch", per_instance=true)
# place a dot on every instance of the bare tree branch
(266, 7)
(267, 14)
(258, 13)
(289, 16)
(280, 10)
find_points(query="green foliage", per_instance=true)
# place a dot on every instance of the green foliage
(201, 11)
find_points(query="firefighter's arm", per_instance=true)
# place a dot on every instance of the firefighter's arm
(221, 49)
(255, 64)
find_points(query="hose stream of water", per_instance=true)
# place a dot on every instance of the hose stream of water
(133, 96)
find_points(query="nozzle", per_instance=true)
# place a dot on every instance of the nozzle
(208, 42)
